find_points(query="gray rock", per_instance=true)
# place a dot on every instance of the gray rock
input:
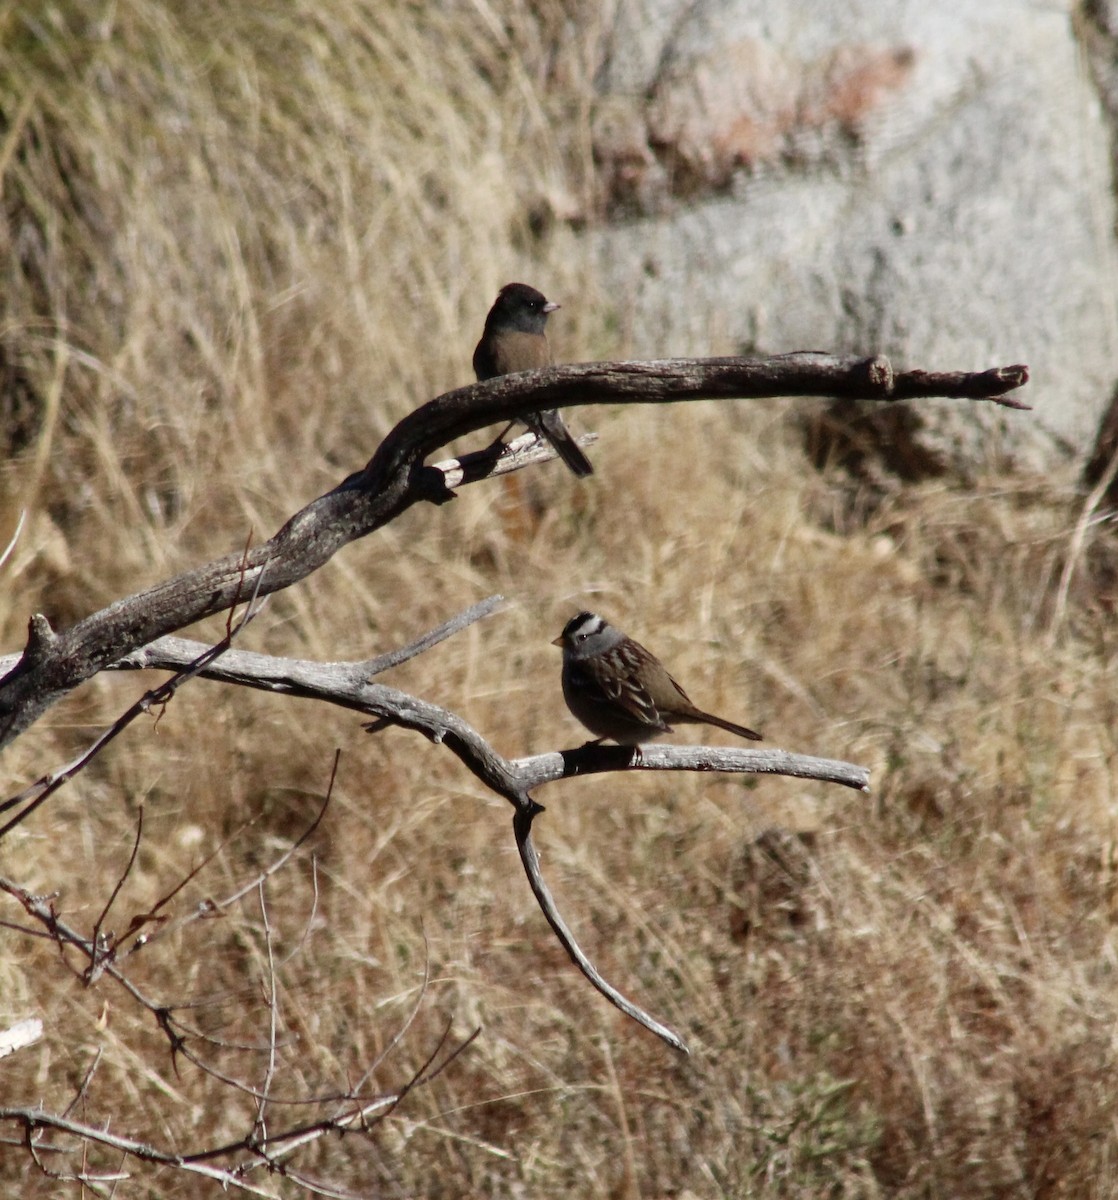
(931, 182)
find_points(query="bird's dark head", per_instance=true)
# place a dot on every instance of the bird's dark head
(520, 307)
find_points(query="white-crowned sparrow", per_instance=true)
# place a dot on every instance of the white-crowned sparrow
(515, 339)
(619, 690)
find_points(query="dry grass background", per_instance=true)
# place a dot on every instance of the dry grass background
(239, 243)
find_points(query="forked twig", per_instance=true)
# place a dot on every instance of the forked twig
(261, 1146)
(105, 949)
(347, 684)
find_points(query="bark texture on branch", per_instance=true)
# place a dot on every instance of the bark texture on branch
(54, 663)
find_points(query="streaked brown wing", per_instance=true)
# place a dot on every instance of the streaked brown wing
(629, 695)
(682, 694)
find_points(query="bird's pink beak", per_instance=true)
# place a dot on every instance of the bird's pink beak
(551, 306)
(557, 641)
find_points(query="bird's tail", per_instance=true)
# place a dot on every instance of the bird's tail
(730, 727)
(564, 444)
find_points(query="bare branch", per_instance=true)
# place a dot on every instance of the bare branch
(210, 908)
(346, 684)
(421, 645)
(260, 1126)
(396, 478)
(522, 828)
(34, 1119)
(42, 910)
(38, 792)
(357, 1116)
(261, 1146)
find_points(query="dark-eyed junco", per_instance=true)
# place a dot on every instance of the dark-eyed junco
(515, 339)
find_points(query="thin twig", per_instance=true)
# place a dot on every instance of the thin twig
(42, 910)
(468, 616)
(259, 1134)
(14, 538)
(42, 789)
(83, 1087)
(400, 1033)
(522, 828)
(33, 1119)
(106, 950)
(137, 926)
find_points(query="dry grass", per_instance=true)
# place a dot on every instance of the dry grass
(238, 244)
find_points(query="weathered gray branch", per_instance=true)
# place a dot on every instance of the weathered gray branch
(348, 684)
(530, 860)
(397, 477)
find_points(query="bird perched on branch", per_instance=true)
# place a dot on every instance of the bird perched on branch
(620, 690)
(515, 339)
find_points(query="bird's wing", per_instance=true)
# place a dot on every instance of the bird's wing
(627, 693)
(682, 694)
